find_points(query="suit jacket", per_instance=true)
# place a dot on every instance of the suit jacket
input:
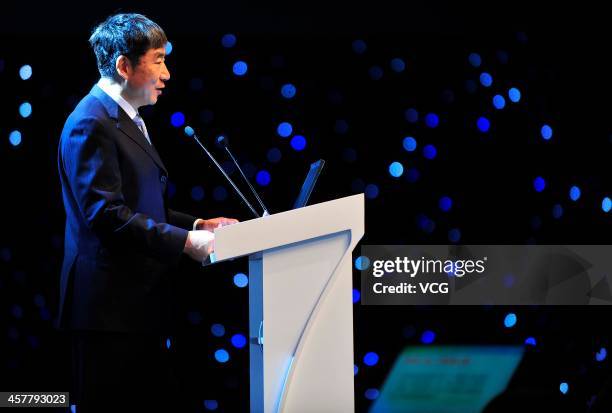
(121, 240)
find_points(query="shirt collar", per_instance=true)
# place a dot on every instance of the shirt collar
(105, 85)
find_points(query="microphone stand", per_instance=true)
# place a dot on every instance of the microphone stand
(191, 133)
(223, 141)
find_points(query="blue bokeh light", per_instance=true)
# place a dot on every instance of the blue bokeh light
(171, 189)
(15, 138)
(546, 132)
(358, 185)
(370, 359)
(240, 68)
(288, 91)
(298, 142)
(454, 235)
(445, 203)
(396, 169)
(222, 356)
(274, 155)
(475, 59)
(194, 317)
(432, 120)
(376, 72)
(471, 86)
(483, 124)
(284, 129)
(45, 314)
(530, 341)
(409, 143)
(362, 263)
(539, 184)
(356, 296)
(359, 46)
(39, 300)
(33, 341)
(430, 151)
(197, 193)
(606, 204)
(168, 47)
(349, 155)
(17, 311)
(574, 193)
(428, 337)
(514, 94)
(228, 40)
(426, 224)
(211, 404)
(398, 65)
(601, 354)
(177, 119)
(486, 79)
(219, 193)
(263, 178)
(239, 340)
(25, 72)
(557, 211)
(228, 166)
(411, 115)
(241, 280)
(25, 109)
(168, 343)
(502, 56)
(499, 102)
(371, 394)
(217, 330)
(413, 175)
(564, 387)
(510, 320)
(341, 126)
(371, 191)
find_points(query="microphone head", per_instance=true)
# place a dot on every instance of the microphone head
(222, 141)
(189, 131)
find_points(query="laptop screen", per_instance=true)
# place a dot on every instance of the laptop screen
(309, 183)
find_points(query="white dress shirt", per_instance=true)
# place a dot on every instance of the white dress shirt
(105, 85)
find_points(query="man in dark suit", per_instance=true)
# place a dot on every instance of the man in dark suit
(121, 240)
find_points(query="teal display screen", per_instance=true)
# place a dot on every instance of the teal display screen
(447, 379)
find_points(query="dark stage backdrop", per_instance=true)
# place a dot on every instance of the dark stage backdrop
(400, 101)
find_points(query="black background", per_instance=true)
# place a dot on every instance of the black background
(557, 57)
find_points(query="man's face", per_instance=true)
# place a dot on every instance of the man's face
(146, 80)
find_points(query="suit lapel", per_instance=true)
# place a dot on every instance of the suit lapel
(127, 126)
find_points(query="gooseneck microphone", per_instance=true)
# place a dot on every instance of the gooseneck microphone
(223, 141)
(191, 133)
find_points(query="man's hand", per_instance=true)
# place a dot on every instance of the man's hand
(212, 224)
(199, 245)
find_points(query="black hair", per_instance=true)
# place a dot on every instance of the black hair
(130, 35)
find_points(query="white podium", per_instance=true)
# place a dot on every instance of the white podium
(300, 304)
